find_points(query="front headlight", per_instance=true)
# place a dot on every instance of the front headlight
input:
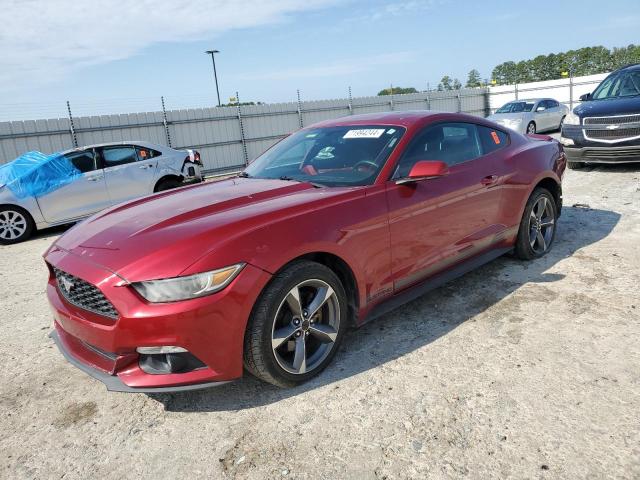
(572, 119)
(184, 288)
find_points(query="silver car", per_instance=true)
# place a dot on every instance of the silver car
(531, 116)
(110, 173)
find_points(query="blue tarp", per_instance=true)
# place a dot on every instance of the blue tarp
(36, 174)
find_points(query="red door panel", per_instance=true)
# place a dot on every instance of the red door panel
(438, 222)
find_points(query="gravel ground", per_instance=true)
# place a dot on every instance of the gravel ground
(517, 370)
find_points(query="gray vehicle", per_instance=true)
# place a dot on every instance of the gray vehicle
(531, 116)
(111, 173)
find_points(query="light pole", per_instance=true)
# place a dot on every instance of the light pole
(215, 74)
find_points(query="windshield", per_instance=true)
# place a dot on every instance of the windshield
(622, 84)
(330, 156)
(515, 107)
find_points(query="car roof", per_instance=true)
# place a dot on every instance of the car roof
(139, 143)
(631, 66)
(402, 119)
(530, 99)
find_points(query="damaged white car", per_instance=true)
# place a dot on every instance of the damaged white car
(38, 191)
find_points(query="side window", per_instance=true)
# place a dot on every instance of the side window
(114, 156)
(451, 143)
(554, 103)
(145, 153)
(459, 144)
(83, 161)
(542, 106)
(492, 139)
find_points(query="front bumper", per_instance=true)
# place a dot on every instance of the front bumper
(211, 328)
(113, 382)
(629, 154)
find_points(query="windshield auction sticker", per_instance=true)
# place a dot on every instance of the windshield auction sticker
(365, 133)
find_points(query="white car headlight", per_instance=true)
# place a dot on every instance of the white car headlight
(572, 119)
(184, 288)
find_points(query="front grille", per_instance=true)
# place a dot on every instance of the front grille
(616, 134)
(616, 120)
(83, 295)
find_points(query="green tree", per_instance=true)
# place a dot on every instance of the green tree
(473, 79)
(397, 91)
(445, 83)
(456, 84)
(583, 61)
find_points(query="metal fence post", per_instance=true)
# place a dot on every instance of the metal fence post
(459, 101)
(487, 102)
(428, 99)
(72, 126)
(165, 123)
(350, 102)
(242, 137)
(300, 111)
(516, 90)
(571, 91)
(391, 98)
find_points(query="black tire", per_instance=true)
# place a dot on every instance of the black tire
(167, 184)
(561, 123)
(575, 165)
(14, 216)
(259, 354)
(531, 128)
(525, 250)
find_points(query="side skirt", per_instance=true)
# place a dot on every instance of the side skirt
(433, 282)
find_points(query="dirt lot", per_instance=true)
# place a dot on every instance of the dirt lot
(518, 370)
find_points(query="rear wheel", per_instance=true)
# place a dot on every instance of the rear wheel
(167, 184)
(16, 225)
(296, 325)
(538, 225)
(531, 128)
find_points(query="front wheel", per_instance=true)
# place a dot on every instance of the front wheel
(538, 225)
(531, 128)
(16, 225)
(561, 123)
(296, 325)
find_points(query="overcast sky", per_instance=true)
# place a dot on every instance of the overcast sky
(122, 55)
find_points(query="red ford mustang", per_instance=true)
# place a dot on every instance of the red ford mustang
(334, 225)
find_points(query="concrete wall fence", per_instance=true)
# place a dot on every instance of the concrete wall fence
(230, 137)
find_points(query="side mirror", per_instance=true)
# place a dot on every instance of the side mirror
(424, 170)
(585, 98)
(540, 109)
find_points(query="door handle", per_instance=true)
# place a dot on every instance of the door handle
(144, 167)
(95, 179)
(489, 180)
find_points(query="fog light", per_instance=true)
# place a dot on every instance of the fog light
(159, 350)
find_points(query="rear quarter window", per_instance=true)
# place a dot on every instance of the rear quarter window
(145, 153)
(492, 139)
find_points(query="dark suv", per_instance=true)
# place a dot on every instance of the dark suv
(605, 128)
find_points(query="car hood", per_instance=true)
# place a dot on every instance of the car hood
(614, 106)
(160, 236)
(499, 117)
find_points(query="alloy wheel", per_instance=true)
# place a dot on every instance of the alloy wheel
(305, 326)
(12, 224)
(541, 225)
(531, 128)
